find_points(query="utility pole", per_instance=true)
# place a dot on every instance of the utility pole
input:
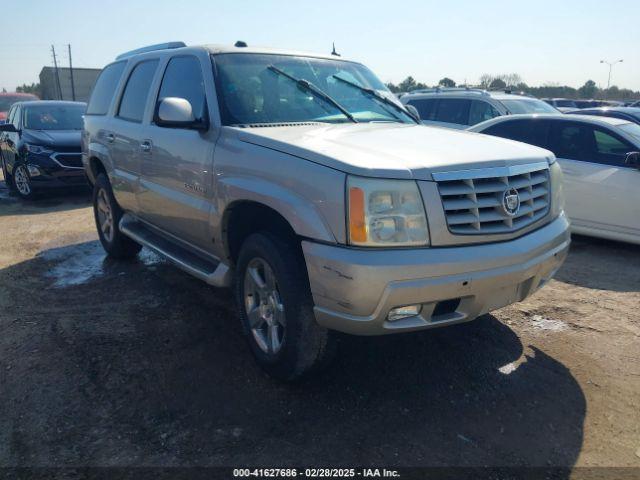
(55, 66)
(611, 64)
(73, 87)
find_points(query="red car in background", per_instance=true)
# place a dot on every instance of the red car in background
(8, 99)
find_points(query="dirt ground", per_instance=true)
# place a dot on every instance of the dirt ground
(107, 363)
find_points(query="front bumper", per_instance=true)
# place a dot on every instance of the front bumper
(354, 289)
(46, 172)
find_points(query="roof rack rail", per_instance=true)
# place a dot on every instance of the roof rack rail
(512, 92)
(151, 48)
(450, 89)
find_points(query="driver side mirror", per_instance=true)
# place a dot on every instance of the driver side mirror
(8, 127)
(633, 160)
(174, 112)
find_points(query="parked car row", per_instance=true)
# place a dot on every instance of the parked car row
(462, 107)
(326, 203)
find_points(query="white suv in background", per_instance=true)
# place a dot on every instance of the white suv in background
(463, 107)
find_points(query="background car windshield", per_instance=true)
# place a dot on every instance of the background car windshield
(6, 102)
(632, 129)
(527, 105)
(54, 117)
(251, 93)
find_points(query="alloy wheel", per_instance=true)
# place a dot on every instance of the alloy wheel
(105, 215)
(21, 180)
(264, 307)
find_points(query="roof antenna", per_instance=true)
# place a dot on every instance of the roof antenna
(333, 52)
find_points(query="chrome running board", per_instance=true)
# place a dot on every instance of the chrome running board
(209, 270)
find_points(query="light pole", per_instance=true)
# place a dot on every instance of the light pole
(611, 64)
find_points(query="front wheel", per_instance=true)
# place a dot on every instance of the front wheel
(22, 182)
(276, 309)
(107, 214)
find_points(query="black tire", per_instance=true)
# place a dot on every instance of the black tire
(306, 347)
(115, 243)
(23, 188)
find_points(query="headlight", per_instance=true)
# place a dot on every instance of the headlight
(38, 149)
(385, 213)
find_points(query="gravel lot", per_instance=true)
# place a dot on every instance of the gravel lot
(105, 363)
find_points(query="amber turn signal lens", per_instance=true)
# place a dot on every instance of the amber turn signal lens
(357, 226)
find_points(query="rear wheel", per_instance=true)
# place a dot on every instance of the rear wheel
(107, 214)
(276, 309)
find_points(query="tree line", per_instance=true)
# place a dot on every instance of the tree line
(514, 82)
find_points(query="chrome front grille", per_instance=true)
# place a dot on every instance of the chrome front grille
(475, 201)
(68, 160)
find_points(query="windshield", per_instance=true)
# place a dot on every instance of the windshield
(7, 100)
(631, 128)
(252, 92)
(527, 105)
(54, 117)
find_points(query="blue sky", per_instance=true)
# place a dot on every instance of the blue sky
(560, 41)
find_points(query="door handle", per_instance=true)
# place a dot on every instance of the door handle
(146, 146)
(110, 137)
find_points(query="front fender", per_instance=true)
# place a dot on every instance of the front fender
(301, 213)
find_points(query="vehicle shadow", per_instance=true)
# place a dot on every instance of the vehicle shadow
(136, 363)
(53, 200)
(602, 264)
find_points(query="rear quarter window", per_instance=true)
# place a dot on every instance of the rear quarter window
(104, 89)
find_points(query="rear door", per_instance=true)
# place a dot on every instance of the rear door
(601, 192)
(177, 173)
(128, 131)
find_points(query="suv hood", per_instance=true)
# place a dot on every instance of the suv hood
(392, 150)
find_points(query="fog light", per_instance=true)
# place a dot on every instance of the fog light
(403, 312)
(33, 170)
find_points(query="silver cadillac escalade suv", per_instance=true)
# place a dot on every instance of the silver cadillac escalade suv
(299, 180)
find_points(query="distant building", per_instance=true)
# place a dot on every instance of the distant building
(83, 80)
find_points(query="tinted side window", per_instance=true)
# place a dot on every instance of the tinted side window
(453, 110)
(533, 132)
(481, 111)
(611, 149)
(425, 107)
(104, 89)
(134, 98)
(183, 79)
(573, 141)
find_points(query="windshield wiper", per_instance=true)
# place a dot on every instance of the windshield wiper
(310, 87)
(377, 96)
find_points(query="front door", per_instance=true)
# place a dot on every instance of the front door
(177, 178)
